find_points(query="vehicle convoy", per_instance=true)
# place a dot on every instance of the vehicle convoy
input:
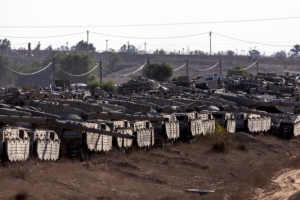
(48, 124)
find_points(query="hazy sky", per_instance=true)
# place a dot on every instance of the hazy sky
(24, 21)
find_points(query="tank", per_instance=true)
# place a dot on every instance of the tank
(194, 124)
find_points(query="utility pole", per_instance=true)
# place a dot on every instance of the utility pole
(100, 64)
(187, 68)
(82, 70)
(219, 79)
(53, 65)
(145, 47)
(210, 45)
(256, 67)
(87, 49)
(106, 44)
(220, 63)
(148, 62)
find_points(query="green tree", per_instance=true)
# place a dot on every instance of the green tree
(49, 48)
(38, 47)
(159, 72)
(6, 76)
(83, 46)
(76, 64)
(128, 48)
(114, 59)
(296, 50)
(230, 53)
(4, 45)
(238, 71)
(254, 53)
(160, 52)
(280, 54)
(108, 86)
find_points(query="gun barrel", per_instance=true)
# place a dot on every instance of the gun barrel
(77, 126)
(120, 116)
(26, 119)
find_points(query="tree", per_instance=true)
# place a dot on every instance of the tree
(159, 72)
(6, 76)
(83, 46)
(114, 59)
(280, 54)
(296, 50)
(108, 86)
(159, 52)
(254, 53)
(4, 45)
(77, 64)
(198, 52)
(38, 47)
(230, 53)
(49, 48)
(128, 48)
(238, 71)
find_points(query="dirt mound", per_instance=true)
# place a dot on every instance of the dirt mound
(164, 173)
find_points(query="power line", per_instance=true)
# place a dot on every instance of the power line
(45, 36)
(163, 24)
(250, 41)
(150, 38)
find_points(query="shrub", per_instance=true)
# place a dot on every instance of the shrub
(242, 147)
(219, 146)
(108, 86)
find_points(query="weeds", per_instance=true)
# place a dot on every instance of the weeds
(242, 147)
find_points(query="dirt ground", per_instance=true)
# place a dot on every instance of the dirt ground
(239, 166)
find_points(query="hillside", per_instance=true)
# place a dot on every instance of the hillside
(244, 169)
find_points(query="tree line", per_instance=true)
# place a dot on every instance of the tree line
(5, 45)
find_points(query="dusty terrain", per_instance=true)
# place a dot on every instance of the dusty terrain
(237, 166)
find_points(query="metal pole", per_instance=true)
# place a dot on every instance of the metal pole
(256, 67)
(87, 49)
(106, 45)
(100, 71)
(219, 79)
(220, 63)
(145, 47)
(187, 68)
(210, 45)
(82, 70)
(53, 64)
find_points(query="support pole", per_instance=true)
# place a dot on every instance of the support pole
(187, 68)
(220, 63)
(210, 45)
(148, 62)
(100, 71)
(219, 79)
(256, 67)
(87, 48)
(53, 65)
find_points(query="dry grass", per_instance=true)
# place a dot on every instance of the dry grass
(161, 173)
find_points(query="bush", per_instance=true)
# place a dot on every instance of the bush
(159, 72)
(242, 147)
(108, 86)
(219, 133)
(238, 71)
(219, 146)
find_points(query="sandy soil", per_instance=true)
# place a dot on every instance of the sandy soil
(244, 169)
(286, 185)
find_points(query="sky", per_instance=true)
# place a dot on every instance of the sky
(173, 25)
